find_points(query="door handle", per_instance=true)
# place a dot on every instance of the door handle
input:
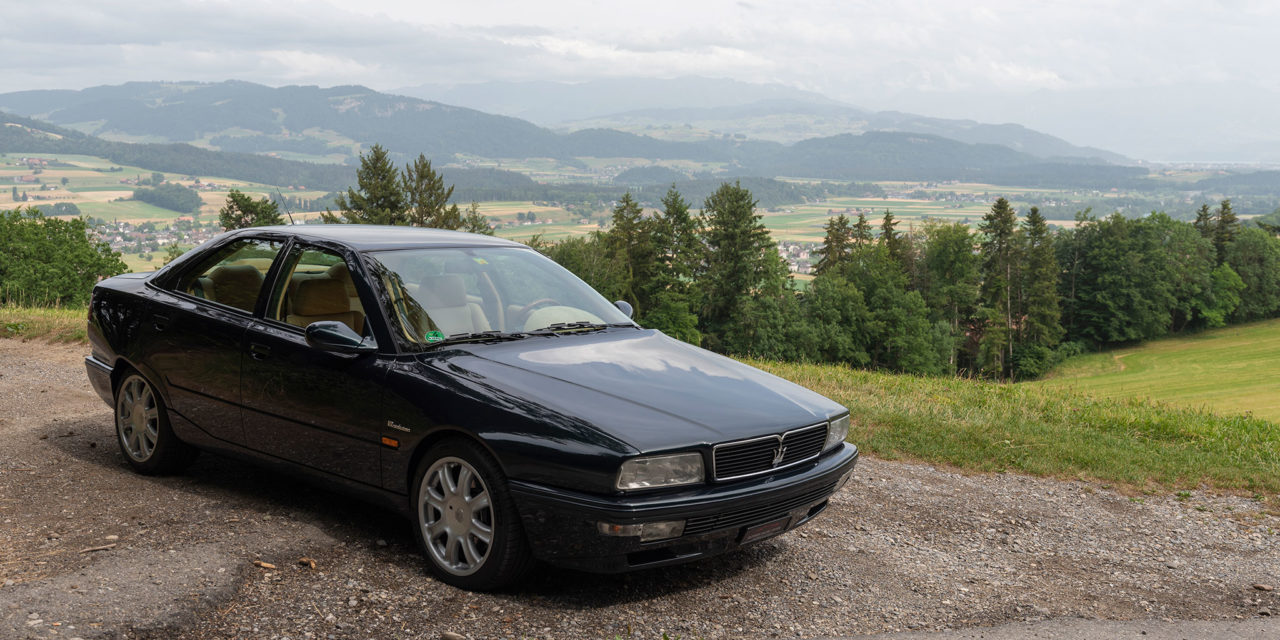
(160, 322)
(259, 351)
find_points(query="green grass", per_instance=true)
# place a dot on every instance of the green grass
(983, 426)
(1231, 370)
(135, 210)
(55, 324)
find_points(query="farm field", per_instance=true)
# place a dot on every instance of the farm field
(1230, 370)
(100, 193)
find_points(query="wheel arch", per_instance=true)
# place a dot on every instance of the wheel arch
(122, 367)
(439, 435)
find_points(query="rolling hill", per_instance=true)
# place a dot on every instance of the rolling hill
(789, 121)
(318, 124)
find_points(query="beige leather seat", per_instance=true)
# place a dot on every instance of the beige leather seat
(445, 300)
(342, 274)
(319, 299)
(235, 285)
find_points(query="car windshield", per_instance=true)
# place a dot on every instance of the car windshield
(479, 293)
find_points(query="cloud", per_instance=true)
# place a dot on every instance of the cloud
(864, 51)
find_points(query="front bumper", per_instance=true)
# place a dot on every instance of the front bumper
(561, 525)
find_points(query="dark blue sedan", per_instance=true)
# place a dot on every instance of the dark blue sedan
(469, 382)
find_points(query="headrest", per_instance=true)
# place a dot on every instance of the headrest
(342, 274)
(339, 271)
(237, 276)
(442, 292)
(320, 297)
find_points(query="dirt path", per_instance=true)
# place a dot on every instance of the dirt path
(905, 546)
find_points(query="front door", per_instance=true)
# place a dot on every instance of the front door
(312, 407)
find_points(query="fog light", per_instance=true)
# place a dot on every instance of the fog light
(646, 531)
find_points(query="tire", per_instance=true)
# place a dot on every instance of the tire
(143, 432)
(460, 497)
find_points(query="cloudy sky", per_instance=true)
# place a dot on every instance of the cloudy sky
(895, 54)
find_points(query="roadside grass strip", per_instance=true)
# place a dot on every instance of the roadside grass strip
(991, 427)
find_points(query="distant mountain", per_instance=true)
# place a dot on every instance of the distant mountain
(311, 121)
(1222, 122)
(788, 121)
(553, 103)
(26, 135)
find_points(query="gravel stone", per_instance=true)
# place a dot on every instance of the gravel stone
(903, 546)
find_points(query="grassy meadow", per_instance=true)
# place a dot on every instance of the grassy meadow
(1230, 370)
(986, 426)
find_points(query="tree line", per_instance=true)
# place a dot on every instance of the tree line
(415, 196)
(1006, 301)
(51, 261)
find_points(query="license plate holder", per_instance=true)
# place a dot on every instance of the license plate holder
(762, 531)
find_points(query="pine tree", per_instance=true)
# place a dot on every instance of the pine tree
(1204, 221)
(892, 241)
(741, 261)
(427, 197)
(678, 236)
(380, 200)
(630, 242)
(999, 256)
(1040, 327)
(861, 231)
(475, 222)
(1226, 226)
(837, 245)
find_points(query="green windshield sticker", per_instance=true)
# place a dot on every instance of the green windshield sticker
(434, 336)
(480, 260)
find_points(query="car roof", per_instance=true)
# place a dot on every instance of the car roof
(368, 237)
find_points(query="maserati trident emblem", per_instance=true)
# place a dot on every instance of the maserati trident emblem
(777, 457)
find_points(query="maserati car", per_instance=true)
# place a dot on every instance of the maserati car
(506, 408)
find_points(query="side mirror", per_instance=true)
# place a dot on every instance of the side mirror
(624, 307)
(328, 335)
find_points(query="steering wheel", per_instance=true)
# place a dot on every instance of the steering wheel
(522, 316)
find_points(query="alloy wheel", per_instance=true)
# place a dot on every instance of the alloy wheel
(137, 418)
(456, 515)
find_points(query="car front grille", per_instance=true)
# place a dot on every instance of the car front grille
(761, 455)
(761, 514)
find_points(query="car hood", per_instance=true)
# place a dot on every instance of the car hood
(647, 389)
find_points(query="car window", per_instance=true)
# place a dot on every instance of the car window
(233, 275)
(431, 294)
(314, 285)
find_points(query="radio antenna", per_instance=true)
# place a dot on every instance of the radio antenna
(285, 204)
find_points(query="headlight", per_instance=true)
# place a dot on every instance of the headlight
(661, 471)
(837, 432)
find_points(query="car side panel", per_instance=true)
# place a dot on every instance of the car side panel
(530, 441)
(319, 409)
(196, 347)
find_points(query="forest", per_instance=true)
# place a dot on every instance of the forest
(1005, 301)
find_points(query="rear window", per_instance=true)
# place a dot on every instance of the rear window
(233, 275)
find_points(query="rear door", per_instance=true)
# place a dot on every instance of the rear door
(199, 331)
(313, 407)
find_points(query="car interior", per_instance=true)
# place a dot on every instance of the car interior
(319, 288)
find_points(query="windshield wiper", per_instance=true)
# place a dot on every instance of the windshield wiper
(580, 326)
(481, 336)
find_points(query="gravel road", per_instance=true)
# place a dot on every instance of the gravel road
(905, 547)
